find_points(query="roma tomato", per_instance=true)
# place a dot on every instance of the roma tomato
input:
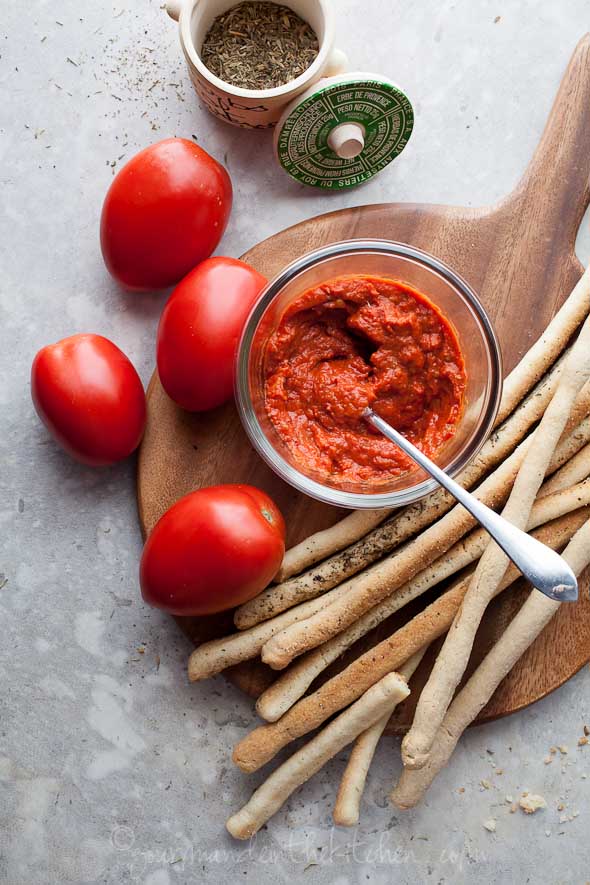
(214, 549)
(199, 331)
(90, 397)
(165, 211)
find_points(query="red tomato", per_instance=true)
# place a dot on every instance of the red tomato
(214, 549)
(90, 397)
(165, 211)
(199, 331)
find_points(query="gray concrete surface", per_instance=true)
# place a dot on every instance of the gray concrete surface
(112, 768)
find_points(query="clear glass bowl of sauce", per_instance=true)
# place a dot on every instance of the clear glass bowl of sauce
(447, 293)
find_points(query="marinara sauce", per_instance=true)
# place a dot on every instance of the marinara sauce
(359, 341)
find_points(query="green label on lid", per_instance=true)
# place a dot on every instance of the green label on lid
(384, 112)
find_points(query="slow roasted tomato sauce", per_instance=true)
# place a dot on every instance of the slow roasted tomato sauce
(359, 341)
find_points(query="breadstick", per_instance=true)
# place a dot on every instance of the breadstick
(214, 656)
(545, 350)
(570, 445)
(361, 593)
(405, 523)
(329, 541)
(295, 681)
(519, 382)
(580, 409)
(352, 784)
(264, 742)
(573, 471)
(454, 656)
(303, 764)
(531, 619)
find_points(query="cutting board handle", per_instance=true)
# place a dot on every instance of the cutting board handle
(560, 167)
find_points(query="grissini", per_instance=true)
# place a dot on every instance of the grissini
(548, 347)
(352, 784)
(519, 382)
(216, 655)
(362, 592)
(323, 544)
(404, 524)
(296, 679)
(580, 408)
(454, 656)
(303, 764)
(258, 747)
(532, 618)
(573, 471)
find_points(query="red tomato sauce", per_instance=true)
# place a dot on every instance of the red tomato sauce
(359, 341)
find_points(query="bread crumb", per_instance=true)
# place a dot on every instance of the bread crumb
(499, 771)
(461, 790)
(490, 825)
(561, 806)
(531, 803)
(509, 799)
(553, 750)
(513, 808)
(485, 784)
(548, 760)
(562, 749)
(582, 741)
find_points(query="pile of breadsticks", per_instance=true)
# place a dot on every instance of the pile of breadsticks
(338, 585)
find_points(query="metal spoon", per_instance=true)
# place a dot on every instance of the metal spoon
(543, 567)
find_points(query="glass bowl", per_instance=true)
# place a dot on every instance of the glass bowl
(448, 291)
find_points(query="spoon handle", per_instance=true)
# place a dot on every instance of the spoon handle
(543, 567)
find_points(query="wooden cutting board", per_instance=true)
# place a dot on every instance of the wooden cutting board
(519, 256)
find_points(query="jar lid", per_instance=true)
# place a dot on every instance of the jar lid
(343, 130)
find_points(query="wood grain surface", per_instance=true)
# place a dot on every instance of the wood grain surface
(519, 257)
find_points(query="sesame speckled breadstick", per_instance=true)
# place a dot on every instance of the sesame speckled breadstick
(269, 797)
(323, 544)
(580, 409)
(258, 747)
(352, 783)
(214, 656)
(573, 471)
(531, 619)
(454, 655)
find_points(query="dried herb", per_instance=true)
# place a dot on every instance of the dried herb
(259, 45)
